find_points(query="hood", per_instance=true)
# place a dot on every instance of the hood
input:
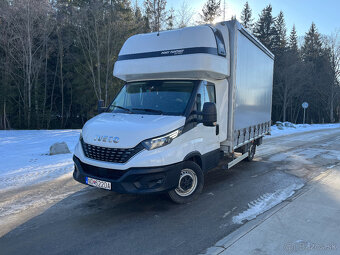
(131, 129)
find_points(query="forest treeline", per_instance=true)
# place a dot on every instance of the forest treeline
(57, 58)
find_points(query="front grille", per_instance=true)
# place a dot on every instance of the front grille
(114, 155)
(102, 172)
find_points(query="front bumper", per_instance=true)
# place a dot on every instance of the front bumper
(136, 180)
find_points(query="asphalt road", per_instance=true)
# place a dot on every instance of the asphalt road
(93, 221)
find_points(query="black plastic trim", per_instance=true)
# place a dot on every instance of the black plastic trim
(117, 155)
(210, 160)
(192, 154)
(219, 37)
(136, 180)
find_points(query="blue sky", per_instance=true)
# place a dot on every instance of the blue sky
(324, 13)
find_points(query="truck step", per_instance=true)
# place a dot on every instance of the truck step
(237, 160)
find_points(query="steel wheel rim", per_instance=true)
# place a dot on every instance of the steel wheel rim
(187, 183)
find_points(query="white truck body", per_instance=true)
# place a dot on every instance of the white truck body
(222, 64)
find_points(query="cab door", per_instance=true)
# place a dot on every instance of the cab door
(208, 136)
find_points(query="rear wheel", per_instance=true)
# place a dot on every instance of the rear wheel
(252, 150)
(190, 184)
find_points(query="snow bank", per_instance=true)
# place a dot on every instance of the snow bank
(288, 128)
(266, 202)
(25, 160)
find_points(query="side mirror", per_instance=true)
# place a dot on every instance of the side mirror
(101, 107)
(209, 114)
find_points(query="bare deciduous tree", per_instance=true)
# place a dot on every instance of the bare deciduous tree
(25, 36)
(156, 13)
(333, 44)
(184, 15)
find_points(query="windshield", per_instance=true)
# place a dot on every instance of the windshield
(153, 97)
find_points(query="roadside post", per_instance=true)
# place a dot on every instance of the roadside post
(304, 106)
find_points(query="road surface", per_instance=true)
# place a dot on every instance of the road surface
(64, 217)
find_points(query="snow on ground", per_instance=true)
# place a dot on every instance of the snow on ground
(266, 202)
(298, 128)
(24, 156)
(304, 155)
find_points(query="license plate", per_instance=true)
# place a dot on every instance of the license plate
(98, 183)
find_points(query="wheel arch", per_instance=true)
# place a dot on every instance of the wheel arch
(196, 157)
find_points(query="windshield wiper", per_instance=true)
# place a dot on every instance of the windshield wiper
(147, 110)
(123, 108)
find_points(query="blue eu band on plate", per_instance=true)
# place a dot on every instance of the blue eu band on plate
(98, 183)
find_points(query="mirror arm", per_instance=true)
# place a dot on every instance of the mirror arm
(214, 124)
(101, 108)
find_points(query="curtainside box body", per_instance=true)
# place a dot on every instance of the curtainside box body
(250, 87)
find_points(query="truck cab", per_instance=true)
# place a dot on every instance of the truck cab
(169, 123)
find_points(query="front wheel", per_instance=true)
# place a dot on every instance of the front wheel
(190, 184)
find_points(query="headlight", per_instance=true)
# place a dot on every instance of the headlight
(81, 135)
(161, 141)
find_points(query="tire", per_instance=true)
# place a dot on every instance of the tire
(190, 184)
(252, 150)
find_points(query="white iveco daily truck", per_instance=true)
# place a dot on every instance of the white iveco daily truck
(193, 96)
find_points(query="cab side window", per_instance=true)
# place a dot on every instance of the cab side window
(206, 93)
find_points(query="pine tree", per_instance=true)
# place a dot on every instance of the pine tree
(246, 17)
(142, 24)
(211, 10)
(312, 47)
(265, 27)
(280, 36)
(293, 44)
(317, 87)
